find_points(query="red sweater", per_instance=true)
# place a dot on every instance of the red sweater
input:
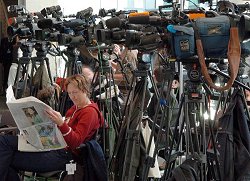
(83, 124)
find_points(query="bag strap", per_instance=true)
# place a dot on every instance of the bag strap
(96, 135)
(233, 54)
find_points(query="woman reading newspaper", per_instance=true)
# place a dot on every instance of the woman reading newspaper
(80, 125)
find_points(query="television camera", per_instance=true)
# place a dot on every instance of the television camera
(113, 13)
(178, 31)
(23, 25)
(65, 32)
(54, 11)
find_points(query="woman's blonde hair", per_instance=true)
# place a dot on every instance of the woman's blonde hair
(80, 81)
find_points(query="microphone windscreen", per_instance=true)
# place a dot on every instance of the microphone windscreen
(45, 23)
(84, 13)
(12, 21)
(16, 20)
(114, 22)
(138, 19)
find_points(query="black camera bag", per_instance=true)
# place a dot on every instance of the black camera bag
(189, 170)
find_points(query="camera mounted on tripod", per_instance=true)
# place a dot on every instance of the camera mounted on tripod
(67, 32)
(27, 48)
(104, 54)
(42, 48)
(193, 86)
(22, 25)
(54, 11)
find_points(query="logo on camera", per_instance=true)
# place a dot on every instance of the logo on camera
(184, 45)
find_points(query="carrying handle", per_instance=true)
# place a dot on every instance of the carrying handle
(233, 54)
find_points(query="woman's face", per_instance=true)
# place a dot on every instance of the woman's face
(76, 95)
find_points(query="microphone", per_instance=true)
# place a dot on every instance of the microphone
(140, 39)
(144, 18)
(136, 27)
(117, 22)
(73, 23)
(114, 22)
(64, 39)
(15, 9)
(69, 16)
(150, 39)
(20, 19)
(50, 10)
(152, 20)
(45, 23)
(15, 20)
(103, 12)
(84, 13)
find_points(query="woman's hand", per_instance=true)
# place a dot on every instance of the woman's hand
(55, 116)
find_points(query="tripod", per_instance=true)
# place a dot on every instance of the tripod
(73, 66)
(164, 107)
(105, 93)
(192, 129)
(129, 134)
(236, 83)
(39, 62)
(23, 68)
(235, 122)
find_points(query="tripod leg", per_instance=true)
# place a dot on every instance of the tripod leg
(49, 71)
(123, 128)
(149, 162)
(177, 135)
(17, 78)
(133, 132)
(131, 88)
(212, 138)
(245, 103)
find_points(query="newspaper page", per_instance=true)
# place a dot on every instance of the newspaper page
(38, 132)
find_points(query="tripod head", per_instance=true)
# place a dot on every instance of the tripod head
(144, 60)
(104, 57)
(193, 86)
(27, 48)
(103, 54)
(72, 53)
(42, 48)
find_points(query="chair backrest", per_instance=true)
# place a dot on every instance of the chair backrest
(7, 119)
(7, 124)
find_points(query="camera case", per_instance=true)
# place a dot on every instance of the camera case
(183, 42)
(214, 33)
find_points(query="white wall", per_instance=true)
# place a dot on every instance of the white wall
(73, 6)
(38, 5)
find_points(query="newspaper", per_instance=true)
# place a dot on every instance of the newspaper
(37, 131)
